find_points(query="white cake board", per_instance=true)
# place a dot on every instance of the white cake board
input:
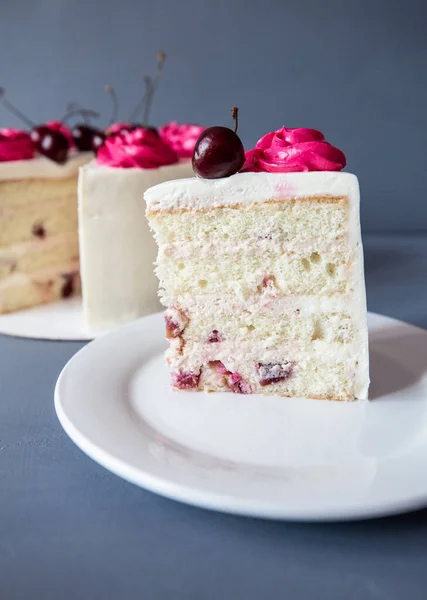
(61, 320)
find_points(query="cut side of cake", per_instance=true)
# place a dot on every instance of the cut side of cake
(262, 278)
(39, 255)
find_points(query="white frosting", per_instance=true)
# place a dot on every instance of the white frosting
(185, 250)
(236, 354)
(117, 250)
(43, 168)
(228, 304)
(247, 188)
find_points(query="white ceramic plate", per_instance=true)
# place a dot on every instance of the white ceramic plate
(262, 456)
(61, 320)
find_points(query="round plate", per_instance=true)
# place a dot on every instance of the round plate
(61, 320)
(271, 457)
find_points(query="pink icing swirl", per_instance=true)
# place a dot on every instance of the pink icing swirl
(297, 149)
(62, 128)
(181, 137)
(15, 144)
(141, 148)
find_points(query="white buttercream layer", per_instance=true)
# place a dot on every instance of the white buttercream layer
(117, 250)
(246, 188)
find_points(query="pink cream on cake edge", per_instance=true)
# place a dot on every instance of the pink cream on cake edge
(143, 148)
(182, 137)
(15, 144)
(140, 148)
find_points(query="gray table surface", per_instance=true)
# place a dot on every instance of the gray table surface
(71, 530)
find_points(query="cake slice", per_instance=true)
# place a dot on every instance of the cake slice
(262, 277)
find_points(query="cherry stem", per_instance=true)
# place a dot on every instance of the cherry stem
(235, 115)
(112, 92)
(151, 84)
(149, 93)
(141, 104)
(74, 109)
(14, 110)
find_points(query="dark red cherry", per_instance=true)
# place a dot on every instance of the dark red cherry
(87, 138)
(82, 136)
(98, 139)
(52, 144)
(218, 152)
(47, 141)
(152, 129)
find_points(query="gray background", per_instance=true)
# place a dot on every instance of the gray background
(357, 70)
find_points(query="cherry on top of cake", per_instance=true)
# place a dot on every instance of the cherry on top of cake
(137, 144)
(54, 139)
(219, 152)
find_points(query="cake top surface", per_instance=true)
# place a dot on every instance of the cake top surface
(41, 167)
(245, 188)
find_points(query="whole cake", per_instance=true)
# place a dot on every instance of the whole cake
(117, 250)
(261, 271)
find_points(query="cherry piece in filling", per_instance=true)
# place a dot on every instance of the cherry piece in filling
(270, 373)
(185, 380)
(38, 230)
(68, 285)
(219, 151)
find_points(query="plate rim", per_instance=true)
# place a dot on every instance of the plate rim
(210, 500)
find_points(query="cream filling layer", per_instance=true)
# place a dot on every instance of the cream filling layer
(241, 353)
(228, 304)
(42, 275)
(28, 256)
(188, 250)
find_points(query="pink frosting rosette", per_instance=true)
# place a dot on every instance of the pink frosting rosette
(181, 137)
(141, 148)
(15, 144)
(296, 149)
